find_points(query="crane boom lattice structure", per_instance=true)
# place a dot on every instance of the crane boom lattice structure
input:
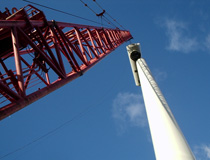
(38, 56)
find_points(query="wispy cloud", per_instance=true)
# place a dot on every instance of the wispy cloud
(207, 151)
(159, 75)
(207, 42)
(128, 111)
(179, 40)
(202, 152)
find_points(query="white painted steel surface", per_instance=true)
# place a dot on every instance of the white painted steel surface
(168, 141)
(130, 48)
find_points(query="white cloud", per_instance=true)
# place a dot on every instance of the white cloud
(207, 42)
(178, 38)
(128, 111)
(207, 150)
(202, 152)
(159, 75)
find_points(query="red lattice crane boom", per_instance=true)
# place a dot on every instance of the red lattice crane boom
(39, 56)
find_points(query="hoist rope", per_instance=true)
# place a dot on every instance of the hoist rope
(79, 115)
(108, 21)
(73, 15)
(88, 7)
(100, 14)
(109, 14)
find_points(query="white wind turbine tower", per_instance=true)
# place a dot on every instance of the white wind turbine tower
(168, 141)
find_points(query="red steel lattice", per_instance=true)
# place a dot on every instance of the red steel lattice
(38, 56)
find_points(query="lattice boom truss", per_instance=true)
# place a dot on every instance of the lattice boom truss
(38, 56)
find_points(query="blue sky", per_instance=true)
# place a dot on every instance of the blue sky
(101, 114)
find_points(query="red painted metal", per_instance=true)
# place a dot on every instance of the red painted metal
(39, 56)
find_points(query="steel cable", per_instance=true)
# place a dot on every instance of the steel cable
(73, 15)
